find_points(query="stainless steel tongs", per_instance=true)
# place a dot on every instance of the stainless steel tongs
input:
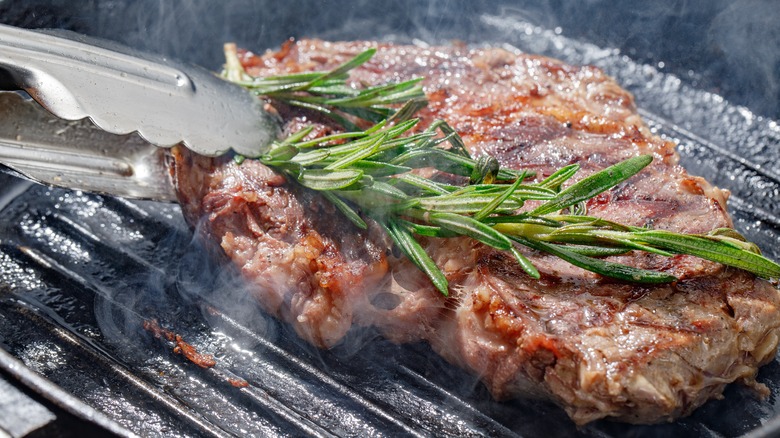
(101, 95)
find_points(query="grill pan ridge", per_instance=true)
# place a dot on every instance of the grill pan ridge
(82, 275)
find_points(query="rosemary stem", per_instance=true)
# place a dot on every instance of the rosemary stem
(526, 230)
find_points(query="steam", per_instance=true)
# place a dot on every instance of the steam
(730, 48)
(746, 33)
(208, 280)
(738, 57)
(169, 29)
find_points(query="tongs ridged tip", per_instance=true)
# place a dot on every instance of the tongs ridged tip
(165, 102)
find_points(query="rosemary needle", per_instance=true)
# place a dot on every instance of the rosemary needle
(365, 173)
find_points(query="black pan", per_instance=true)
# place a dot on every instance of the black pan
(83, 277)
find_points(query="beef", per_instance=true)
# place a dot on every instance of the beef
(308, 268)
(597, 347)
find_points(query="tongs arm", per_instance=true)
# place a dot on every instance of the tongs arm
(78, 155)
(166, 103)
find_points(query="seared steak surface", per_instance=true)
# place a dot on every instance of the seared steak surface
(597, 347)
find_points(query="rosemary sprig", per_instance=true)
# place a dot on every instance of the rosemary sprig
(367, 174)
(329, 93)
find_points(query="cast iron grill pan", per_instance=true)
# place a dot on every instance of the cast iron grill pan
(83, 278)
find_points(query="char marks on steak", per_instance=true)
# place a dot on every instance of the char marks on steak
(597, 347)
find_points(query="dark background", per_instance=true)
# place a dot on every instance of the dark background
(731, 48)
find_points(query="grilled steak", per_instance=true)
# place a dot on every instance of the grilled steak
(597, 347)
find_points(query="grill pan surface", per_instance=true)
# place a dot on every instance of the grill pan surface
(83, 278)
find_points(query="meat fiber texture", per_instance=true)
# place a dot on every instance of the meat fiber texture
(598, 347)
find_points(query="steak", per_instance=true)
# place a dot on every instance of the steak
(598, 347)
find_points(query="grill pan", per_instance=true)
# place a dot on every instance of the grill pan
(86, 279)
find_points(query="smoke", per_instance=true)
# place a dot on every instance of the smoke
(728, 48)
(746, 36)
(204, 277)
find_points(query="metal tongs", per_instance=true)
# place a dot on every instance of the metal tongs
(116, 111)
